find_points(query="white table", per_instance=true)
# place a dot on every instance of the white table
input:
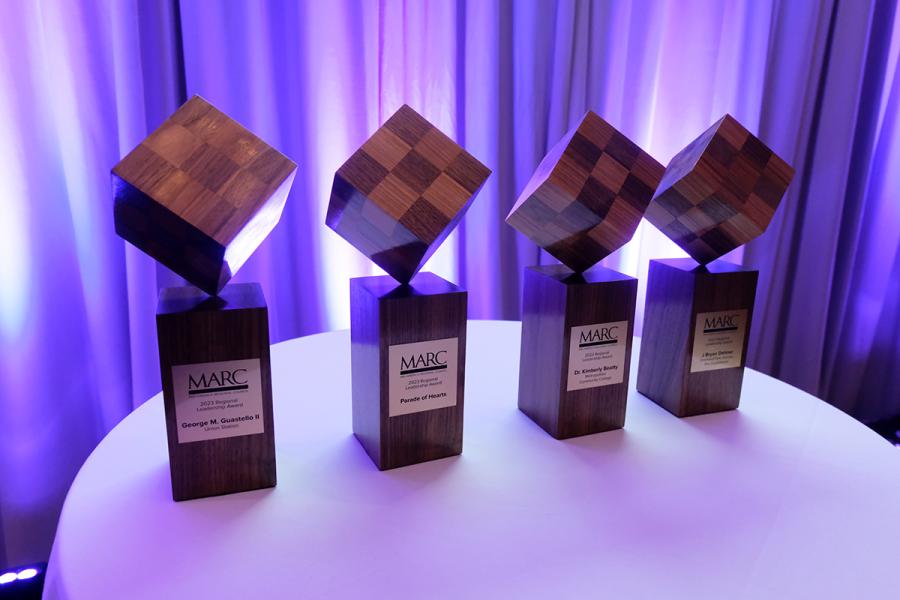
(785, 497)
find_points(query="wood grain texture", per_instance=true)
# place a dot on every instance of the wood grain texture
(587, 197)
(196, 328)
(556, 300)
(200, 194)
(677, 291)
(720, 192)
(383, 314)
(399, 196)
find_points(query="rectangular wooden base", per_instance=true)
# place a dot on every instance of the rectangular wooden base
(694, 343)
(576, 349)
(217, 389)
(408, 351)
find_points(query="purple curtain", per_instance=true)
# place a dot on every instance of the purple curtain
(827, 308)
(83, 82)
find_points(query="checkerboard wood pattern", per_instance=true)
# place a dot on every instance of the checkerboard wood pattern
(587, 197)
(200, 193)
(720, 192)
(400, 194)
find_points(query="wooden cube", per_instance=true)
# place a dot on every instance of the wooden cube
(694, 343)
(719, 192)
(587, 197)
(200, 194)
(217, 389)
(576, 349)
(403, 192)
(408, 356)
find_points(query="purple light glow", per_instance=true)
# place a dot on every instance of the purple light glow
(82, 82)
(26, 574)
(7, 578)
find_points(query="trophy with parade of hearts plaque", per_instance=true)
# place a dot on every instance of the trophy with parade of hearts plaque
(199, 194)
(717, 194)
(396, 199)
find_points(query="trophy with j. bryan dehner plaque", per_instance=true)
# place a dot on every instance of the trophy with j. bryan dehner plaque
(718, 193)
(584, 201)
(396, 199)
(199, 194)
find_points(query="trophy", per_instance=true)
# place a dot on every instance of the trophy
(716, 194)
(199, 195)
(396, 199)
(584, 201)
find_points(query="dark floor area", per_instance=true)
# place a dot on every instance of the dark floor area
(889, 429)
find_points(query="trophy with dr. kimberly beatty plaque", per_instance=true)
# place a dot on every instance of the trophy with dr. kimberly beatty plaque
(199, 194)
(396, 199)
(584, 201)
(718, 193)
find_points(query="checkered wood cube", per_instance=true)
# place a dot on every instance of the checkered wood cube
(720, 192)
(587, 197)
(400, 194)
(200, 194)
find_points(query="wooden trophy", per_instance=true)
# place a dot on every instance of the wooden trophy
(585, 200)
(396, 199)
(717, 194)
(199, 194)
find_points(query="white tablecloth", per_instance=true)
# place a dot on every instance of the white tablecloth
(785, 497)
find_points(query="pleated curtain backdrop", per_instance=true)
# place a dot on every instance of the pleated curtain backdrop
(84, 81)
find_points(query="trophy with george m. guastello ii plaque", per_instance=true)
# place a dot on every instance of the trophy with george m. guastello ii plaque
(199, 194)
(717, 194)
(396, 199)
(584, 201)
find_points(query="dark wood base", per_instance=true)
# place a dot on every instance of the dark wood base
(576, 349)
(694, 343)
(217, 388)
(407, 399)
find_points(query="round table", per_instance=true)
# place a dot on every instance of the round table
(784, 497)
